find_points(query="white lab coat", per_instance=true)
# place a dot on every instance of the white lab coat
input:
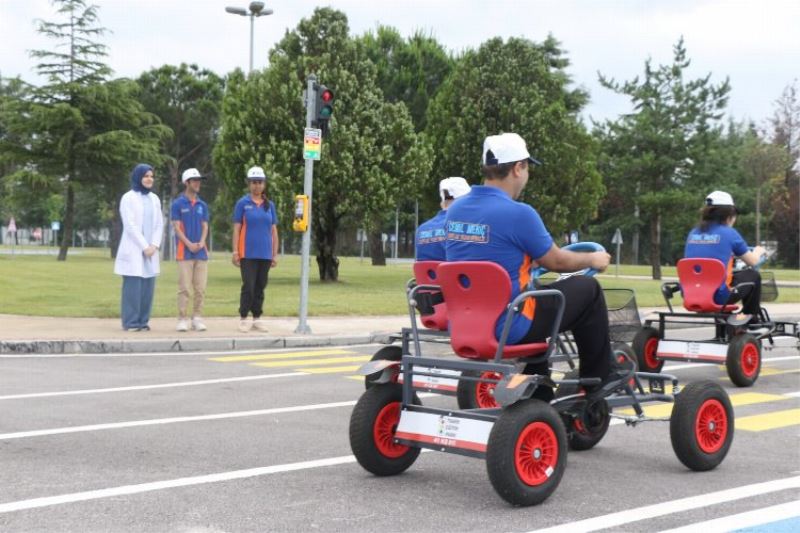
(130, 254)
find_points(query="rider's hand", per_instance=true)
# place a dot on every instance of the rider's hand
(759, 251)
(599, 260)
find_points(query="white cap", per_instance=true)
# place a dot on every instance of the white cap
(454, 187)
(719, 198)
(505, 148)
(191, 174)
(256, 174)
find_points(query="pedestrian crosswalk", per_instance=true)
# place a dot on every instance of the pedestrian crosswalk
(347, 362)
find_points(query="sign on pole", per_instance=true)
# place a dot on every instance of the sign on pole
(617, 239)
(312, 143)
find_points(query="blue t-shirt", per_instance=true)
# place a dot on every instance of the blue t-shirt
(721, 242)
(487, 225)
(430, 238)
(191, 216)
(257, 219)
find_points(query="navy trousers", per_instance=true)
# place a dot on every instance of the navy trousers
(137, 301)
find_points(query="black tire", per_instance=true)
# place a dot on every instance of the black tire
(391, 353)
(586, 430)
(381, 457)
(701, 426)
(645, 344)
(744, 360)
(527, 453)
(476, 394)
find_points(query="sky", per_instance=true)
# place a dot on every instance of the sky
(755, 43)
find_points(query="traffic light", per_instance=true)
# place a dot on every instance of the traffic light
(324, 107)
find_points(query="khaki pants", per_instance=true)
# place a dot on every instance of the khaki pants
(191, 274)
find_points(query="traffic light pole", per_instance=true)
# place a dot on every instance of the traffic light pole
(308, 185)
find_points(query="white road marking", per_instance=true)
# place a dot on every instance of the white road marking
(170, 484)
(793, 394)
(614, 520)
(146, 387)
(174, 420)
(757, 517)
(694, 365)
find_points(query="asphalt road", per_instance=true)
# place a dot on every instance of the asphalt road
(212, 442)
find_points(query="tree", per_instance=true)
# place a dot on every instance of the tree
(519, 86)
(371, 158)
(187, 99)
(79, 128)
(655, 148)
(763, 163)
(785, 199)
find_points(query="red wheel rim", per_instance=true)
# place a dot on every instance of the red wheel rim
(748, 359)
(711, 426)
(384, 429)
(484, 392)
(536, 453)
(650, 348)
(579, 427)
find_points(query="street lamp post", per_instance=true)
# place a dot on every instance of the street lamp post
(256, 9)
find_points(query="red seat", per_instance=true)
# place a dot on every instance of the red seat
(425, 274)
(477, 293)
(700, 278)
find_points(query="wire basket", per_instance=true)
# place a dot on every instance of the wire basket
(769, 289)
(623, 314)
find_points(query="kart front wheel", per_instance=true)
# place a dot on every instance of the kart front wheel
(743, 362)
(701, 426)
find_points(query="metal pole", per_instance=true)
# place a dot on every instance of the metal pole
(308, 184)
(396, 230)
(617, 271)
(252, 18)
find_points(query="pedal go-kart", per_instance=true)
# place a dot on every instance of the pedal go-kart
(524, 441)
(623, 318)
(736, 344)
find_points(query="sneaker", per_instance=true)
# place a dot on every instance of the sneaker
(197, 324)
(260, 325)
(245, 325)
(183, 325)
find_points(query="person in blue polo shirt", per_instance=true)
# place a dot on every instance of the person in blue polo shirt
(715, 238)
(189, 215)
(431, 234)
(255, 247)
(489, 224)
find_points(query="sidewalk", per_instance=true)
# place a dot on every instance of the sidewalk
(48, 335)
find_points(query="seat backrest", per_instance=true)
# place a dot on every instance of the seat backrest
(476, 292)
(425, 274)
(700, 278)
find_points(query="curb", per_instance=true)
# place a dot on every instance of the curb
(34, 347)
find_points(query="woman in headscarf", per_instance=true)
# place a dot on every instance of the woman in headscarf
(137, 256)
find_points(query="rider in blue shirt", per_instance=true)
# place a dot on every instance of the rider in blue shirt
(431, 234)
(715, 238)
(490, 224)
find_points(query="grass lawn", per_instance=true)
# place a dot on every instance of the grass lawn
(85, 286)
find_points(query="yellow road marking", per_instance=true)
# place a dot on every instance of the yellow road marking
(775, 371)
(773, 420)
(332, 370)
(286, 355)
(737, 400)
(309, 362)
(357, 378)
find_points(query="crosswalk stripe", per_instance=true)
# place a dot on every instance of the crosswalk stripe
(309, 362)
(775, 371)
(333, 370)
(765, 421)
(285, 355)
(737, 400)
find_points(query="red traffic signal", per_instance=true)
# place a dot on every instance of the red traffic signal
(324, 107)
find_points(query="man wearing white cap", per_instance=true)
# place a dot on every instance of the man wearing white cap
(431, 234)
(490, 225)
(189, 215)
(715, 238)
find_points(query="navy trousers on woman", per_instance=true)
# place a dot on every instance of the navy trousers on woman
(137, 301)
(255, 275)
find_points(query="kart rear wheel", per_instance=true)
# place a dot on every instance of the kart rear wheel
(477, 394)
(584, 431)
(527, 453)
(701, 426)
(645, 345)
(373, 424)
(744, 360)
(390, 353)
